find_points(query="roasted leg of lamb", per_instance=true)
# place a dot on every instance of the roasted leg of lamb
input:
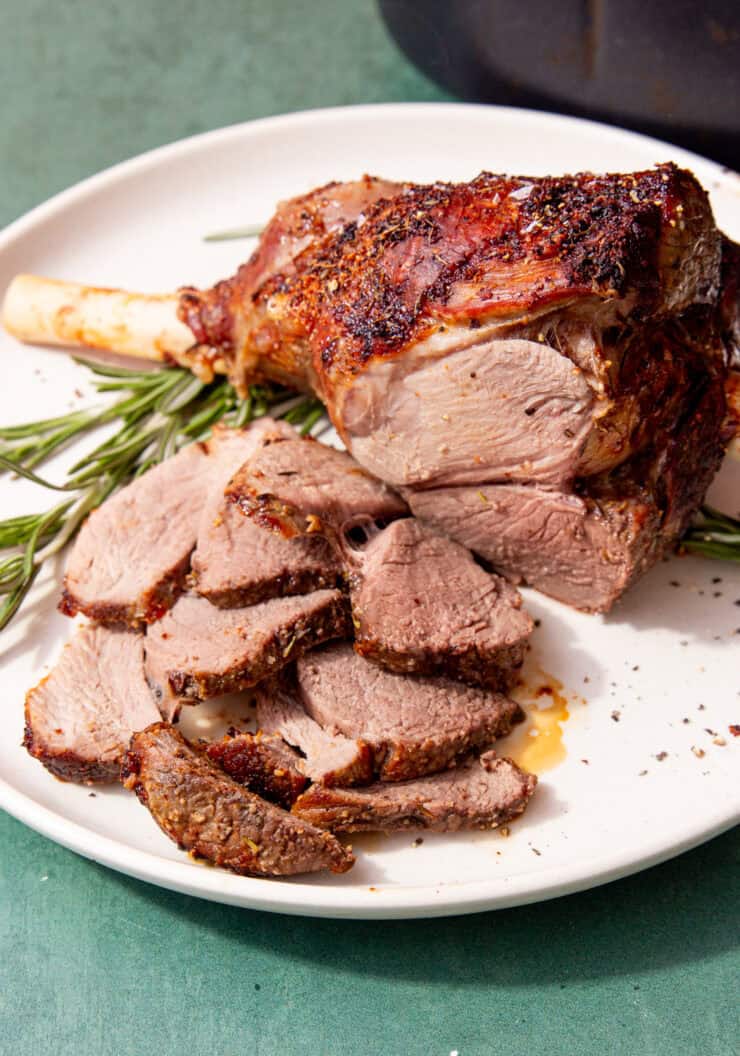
(539, 364)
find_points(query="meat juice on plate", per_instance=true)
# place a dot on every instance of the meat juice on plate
(537, 744)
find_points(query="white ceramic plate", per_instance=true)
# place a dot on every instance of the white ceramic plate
(652, 678)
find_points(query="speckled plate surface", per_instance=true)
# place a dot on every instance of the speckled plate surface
(632, 743)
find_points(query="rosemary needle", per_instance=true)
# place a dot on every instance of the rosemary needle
(157, 412)
(240, 232)
(714, 534)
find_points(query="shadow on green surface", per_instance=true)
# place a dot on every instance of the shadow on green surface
(644, 923)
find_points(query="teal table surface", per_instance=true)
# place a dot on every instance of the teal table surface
(94, 963)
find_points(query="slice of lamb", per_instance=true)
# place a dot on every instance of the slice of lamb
(482, 793)
(584, 553)
(132, 554)
(329, 758)
(415, 725)
(198, 651)
(131, 557)
(263, 763)
(79, 719)
(421, 604)
(207, 813)
(236, 562)
(288, 484)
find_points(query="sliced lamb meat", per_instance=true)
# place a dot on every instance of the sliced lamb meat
(421, 604)
(79, 719)
(581, 552)
(208, 814)
(131, 557)
(198, 651)
(263, 763)
(587, 545)
(132, 554)
(415, 725)
(329, 758)
(286, 483)
(480, 794)
(237, 562)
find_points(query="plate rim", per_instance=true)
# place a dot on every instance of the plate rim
(150, 158)
(369, 902)
(365, 902)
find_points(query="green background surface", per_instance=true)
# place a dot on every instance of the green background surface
(95, 963)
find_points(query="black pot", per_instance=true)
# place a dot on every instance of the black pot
(671, 69)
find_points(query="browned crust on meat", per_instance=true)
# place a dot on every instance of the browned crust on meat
(408, 759)
(174, 820)
(517, 244)
(270, 512)
(291, 582)
(335, 810)
(569, 238)
(130, 767)
(636, 545)
(208, 313)
(149, 608)
(68, 766)
(285, 645)
(295, 227)
(497, 670)
(360, 772)
(274, 514)
(729, 302)
(252, 761)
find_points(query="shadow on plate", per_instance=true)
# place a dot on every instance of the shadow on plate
(557, 653)
(676, 913)
(692, 596)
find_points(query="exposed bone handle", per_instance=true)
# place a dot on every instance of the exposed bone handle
(48, 312)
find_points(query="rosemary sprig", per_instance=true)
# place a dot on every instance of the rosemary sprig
(714, 534)
(238, 232)
(157, 411)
